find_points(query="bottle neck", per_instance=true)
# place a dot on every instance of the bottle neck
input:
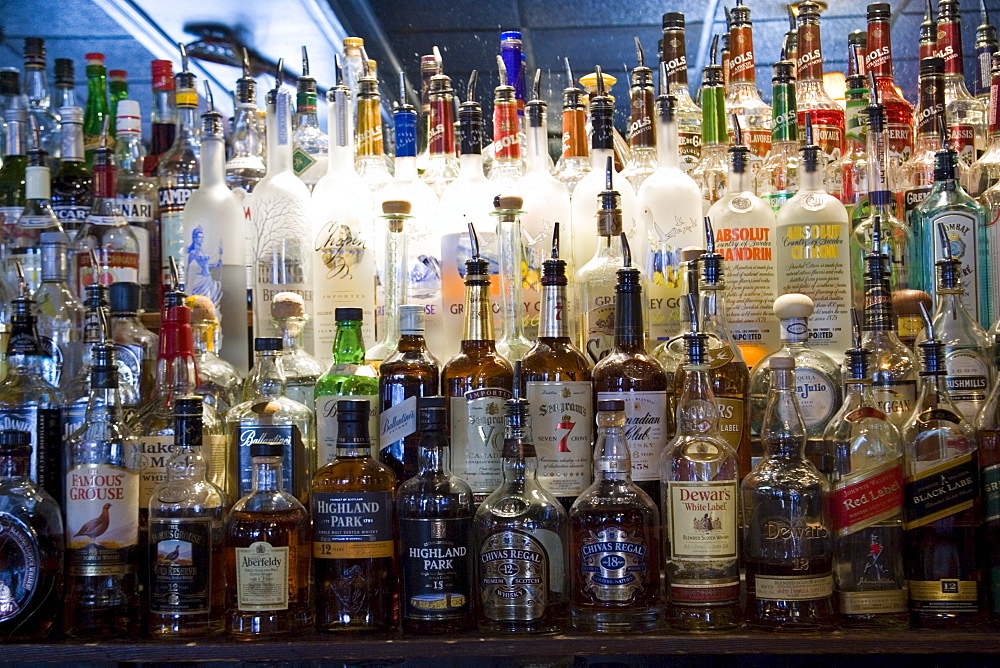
(71, 142)
(742, 69)
(552, 324)
(369, 134)
(175, 365)
(629, 335)
(574, 133)
(697, 412)
(279, 134)
(783, 434)
(809, 64)
(340, 115)
(213, 162)
(395, 280)
(478, 322)
(612, 461)
(267, 378)
(36, 87)
(878, 313)
(879, 59)
(15, 468)
(784, 113)
(266, 474)
(949, 47)
(203, 337)
(37, 184)
(188, 127)
(713, 115)
(246, 140)
(130, 152)
(667, 146)
(291, 333)
(536, 151)
(348, 345)
(441, 138)
(433, 459)
(675, 57)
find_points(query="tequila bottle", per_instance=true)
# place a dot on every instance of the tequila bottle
(310, 144)
(302, 370)
(687, 114)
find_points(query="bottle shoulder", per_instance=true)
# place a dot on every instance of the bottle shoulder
(435, 495)
(350, 474)
(265, 502)
(620, 371)
(551, 360)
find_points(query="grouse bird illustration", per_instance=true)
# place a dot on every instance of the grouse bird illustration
(176, 552)
(97, 526)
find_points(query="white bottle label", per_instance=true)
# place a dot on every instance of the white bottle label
(398, 422)
(645, 430)
(817, 396)
(968, 379)
(477, 431)
(562, 427)
(963, 234)
(102, 509)
(261, 577)
(138, 211)
(326, 423)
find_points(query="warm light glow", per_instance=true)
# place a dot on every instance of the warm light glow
(835, 84)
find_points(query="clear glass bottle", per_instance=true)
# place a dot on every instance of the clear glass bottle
(393, 277)
(641, 130)
(186, 533)
(219, 382)
(15, 161)
(916, 175)
(847, 178)
(23, 237)
(36, 89)
(787, 537)
(712, 169)
(247, 144)
(135, 345)
(778, 178)
(311, 144)
(370, 160)
(673, 57)
(742, 97)
(986, 47)
(60, 313)
(906, 304)
(574, 161)
(512, 343)
(65, 84)
(812, 99)
(964, 114)
(442, 163)
(72, 187)
(302, 370)
(897, 118)
(76, 391)
(985, 172)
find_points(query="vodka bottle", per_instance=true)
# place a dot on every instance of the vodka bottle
(311, 145)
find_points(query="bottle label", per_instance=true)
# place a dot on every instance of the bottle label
(172, 202)
(817, 396)
(598, 328)
(900, 140)
(477, 431)
(437, 567)
(506, 138)
(69, 214)
(793, 587)
(514, 578)
(562, 428)
(115, 266)
(301, 161)
(991, 484)
(895, 399)
(45, 427)
(22, 566)
(912, 199)
(102, 520)
(752, 282)
(941, 491)
(128, 361)
(155, 451)
(180, 556)
(963, 233)
(731, 419)
(690, 146)
(867, 498)
(883, 602)
(138, 212)
(574, 136)
(968, 379)
(702, 520)
(291, 442)
(645, 430)
(614, 564)
(73, 417)
(962, 138)
(398, 421)
(326, 421)
(261, 577)
(52, 360)
(945, 595)
(352, 525)
(695, 593)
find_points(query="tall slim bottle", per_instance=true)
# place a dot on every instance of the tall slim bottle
(72, 183)
(96, 113)
(14, 166)
(393, 278)
(713, 165)
(847, 178)
(812, 99)
(118, 87)
(163, 114)
(247, 145)
(641, 130)
(574, 160)
(742, 97)
(897, 121)
(778, 177)
(965, 115)
(512, 343)
(311, 144)
(442, 163)
(686, 112)
(36, 89)
(370, 161)
(137, 197)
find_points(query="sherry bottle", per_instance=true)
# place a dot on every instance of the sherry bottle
(897, 118)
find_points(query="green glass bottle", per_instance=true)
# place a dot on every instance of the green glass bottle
(778, 178)
(97, 106)
(118, 85)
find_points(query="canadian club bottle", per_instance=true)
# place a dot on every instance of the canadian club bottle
(942, 512)
(812, 99)
(899, 112)
(476, 383)
(557, 382)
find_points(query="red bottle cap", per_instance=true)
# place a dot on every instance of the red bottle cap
(95, 58)
(117, 74)
(163, 75)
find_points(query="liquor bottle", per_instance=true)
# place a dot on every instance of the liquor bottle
(187, 524)
(897, 118)
(76, 392)
(672, 352)
(137, 197)
(512, 343)
(28, 402)
(917, 174)
(36, 218)
(247, 144)
(434, 510)
(60, 313)
(812, 245)
(370, 161)
(179, 174)
(219, 382)
(614, 559)
(986, 47)
(818, 379)
(118, 88)
(686, 112)
(868, 535)
(311, 144)
(942, 512)
(778, 177)
(963, 220)
(928, 31)
(745, 235)
(72, 184)
(442, 163)
(102, 514)
(521, 536)
(906, 304)
(163, 114)
(96, 114)
(430, 65)
(409, 373)
(36, 89)
(742, 97)
(812, 99)
(476, 382)
(355, 66)
(393, 278)
(355, 569)
(507, 165)
(574, 161)
(302, 370)
(964, 114)
(279, 239)
(968, 354)
(267, 416)
(713, 166)
(789, 545)
(344, 246)
(135, 346)
(268, 550)
(670, 204)
(985, 172)
(15, 161)
(847, 178)
(32, 549)
(642, 134)
(699, 480)
(629, 372)
(893, 366)
(65, 84)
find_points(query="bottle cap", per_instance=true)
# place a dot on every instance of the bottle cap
(10, 82)
(348, 315)
(508, 203)
(930, 66)
(118, 75)
(879, 11)
(128, 117)
(65, 73)
(411, 320)
(124, 297)
(353, 410)
(163, 75)
(396, 207)
(673, 20)
(793, 305)
(71, 115)
(14, 443)
(267, 449)
(782, 363)
(34, 52)
(610, 405)
(907, 302)
(188, 406)
(353, 43)
(267, 343)
(288, 305)
(431, 412)
(95, 58)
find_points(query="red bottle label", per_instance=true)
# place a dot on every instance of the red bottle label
(861, 501)
(741, 67)
(879, 58)
(695, 593)
(949, 46)
(810, 60)
(574, 136)
(442, 128)
(507, 142)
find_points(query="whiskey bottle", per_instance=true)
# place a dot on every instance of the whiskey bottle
(688, 116)
(642, 135)
(102, 514)
(699, 479)
(614, 557)
(942, 512)
(268, 551)
(348, 378)
(631, 374)
(32, 549)
(556, 381)
(867, 460)
(742, 97)
(512, 343)
(521, 538)
(135, 346)
(60, 313)
(787, 537)
(712, 169)
(186, 533)
(302, 370)
(355, 563)
(987, 426)
(409, 373)
(311, 146)
(476, 383)
(897, 119)
(393, 276)
(812, 99)
(266, 415)
(964, 114)
(219, 383)
(906, 304)
(779, 175)
(434, 509)
(574, 159)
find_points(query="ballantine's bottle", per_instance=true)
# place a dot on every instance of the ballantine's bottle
(687, 114)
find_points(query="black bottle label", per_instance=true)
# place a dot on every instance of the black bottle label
(291, 441)
(352, 525)
(180, 566)
(129, 364)
(941, 491)
(45, 426)
(437, 567)
(22, 566)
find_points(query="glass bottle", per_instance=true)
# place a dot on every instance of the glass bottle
(942, 513)
(72, 184)
(507, 164)
(789, 546)
(964, 114)
(987, 427)
(393, 276)
(476, 382)
(186, 533)
(14, 166)
(118, 88)
(866, 505)
(302, 370)
(778, 178)
(986, 47)
(742, 97)
(65, 83)
(32, 549)
(97, 113)
(521, 539)
(907, 304)
(60, 313)
(897, 118)
(614, 560)
(356, 570)
(247, 145)
(268, 551)
(37, 218)
(347, 378)
(641, 130)
(409, 373)
(687, 114)
(102, 514)
(699, 478)
(135, 346)
(370, 160)
(512, 343)
(811, 97)
(574, 160)
(311, 144)
(434, 510)
(76, 391)
(266, 415)
(163, 114)
(219, 382)
(985, 172)
(917, 174)
(713, 167)
(442, 163)
(36, 89)
(847, 178)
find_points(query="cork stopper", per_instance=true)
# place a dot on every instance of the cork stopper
(793, 305)
(907, 302)
(202, 308)
(691, 253)
(397, 207)
(508, 202)
(288, 305)
(782, 363)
